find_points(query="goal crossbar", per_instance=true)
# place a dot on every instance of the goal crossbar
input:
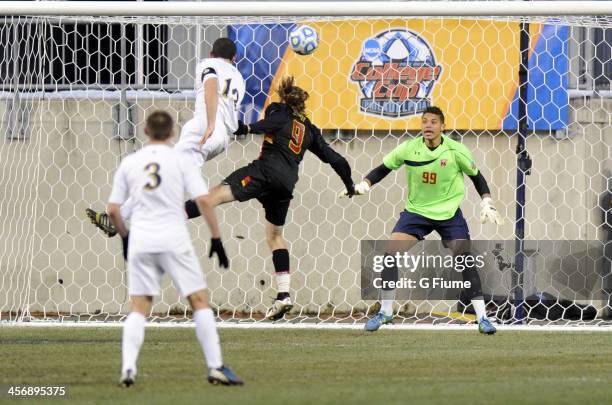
(304, 8)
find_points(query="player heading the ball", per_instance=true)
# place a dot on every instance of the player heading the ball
(435, 165)
(156, 177)
(219, 90)
(288, 134)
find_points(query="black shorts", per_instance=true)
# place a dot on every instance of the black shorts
(250, 182)
(419, 226)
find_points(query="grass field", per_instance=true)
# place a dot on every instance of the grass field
(317, 366)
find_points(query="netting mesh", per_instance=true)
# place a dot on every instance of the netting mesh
(76, 92)
(594, 21)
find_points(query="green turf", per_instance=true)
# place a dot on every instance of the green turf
(318, 367)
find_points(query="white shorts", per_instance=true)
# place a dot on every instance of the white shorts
(145, 271)
(192, 132)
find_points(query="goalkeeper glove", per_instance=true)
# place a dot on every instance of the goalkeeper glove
(488, 212)
(360, 189)
(243, 128)
(217, 247)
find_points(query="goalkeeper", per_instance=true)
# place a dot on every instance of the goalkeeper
(435, 165)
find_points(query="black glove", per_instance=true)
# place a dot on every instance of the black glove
(124, 241)
(243, 128)
(217, 247)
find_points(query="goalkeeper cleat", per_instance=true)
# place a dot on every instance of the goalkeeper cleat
(279, 309)
(223, 375)
(376, 322)
(102, 221)
(128, 377)
(485, 326)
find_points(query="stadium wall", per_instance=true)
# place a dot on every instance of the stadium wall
(52, 252)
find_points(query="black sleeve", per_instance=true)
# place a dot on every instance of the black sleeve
(274, 120)
(206, 72)
(377, 174)
(480, 184)
(327, 155)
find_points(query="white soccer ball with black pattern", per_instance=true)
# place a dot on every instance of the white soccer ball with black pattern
(304, 40)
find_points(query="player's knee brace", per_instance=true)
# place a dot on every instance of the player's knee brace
(389, 273)
(470, 274)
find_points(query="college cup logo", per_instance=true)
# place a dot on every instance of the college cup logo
(396, 73)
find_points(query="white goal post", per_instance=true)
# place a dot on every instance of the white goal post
(77, 80)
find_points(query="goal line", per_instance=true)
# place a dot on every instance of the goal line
(319, 326)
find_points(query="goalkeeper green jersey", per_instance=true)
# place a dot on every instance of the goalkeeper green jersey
(435, 177)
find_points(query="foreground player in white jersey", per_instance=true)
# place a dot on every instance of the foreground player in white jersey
(156, 178)
(219, 90)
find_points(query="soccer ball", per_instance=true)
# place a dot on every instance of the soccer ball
(304, 40)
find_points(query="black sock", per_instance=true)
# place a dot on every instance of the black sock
(282, 295)
(471, 274)
(280, 258)
(389, 274)
(192, 210)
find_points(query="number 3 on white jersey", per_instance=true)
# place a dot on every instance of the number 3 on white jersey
(154, 178)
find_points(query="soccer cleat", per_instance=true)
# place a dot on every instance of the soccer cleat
(377, 321)
(102, 221)
(279, 309)
(485, 326)
(223, 375)
(128, 377)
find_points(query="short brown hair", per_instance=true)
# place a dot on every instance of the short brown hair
(224, 48)
(159, 125)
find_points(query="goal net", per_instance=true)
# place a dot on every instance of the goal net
(76, 91)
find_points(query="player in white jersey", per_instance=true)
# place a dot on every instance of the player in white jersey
(219, 92)
(156, 178)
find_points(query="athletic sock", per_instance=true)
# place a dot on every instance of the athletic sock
(386, 306)
(280, 258)
(387, 295)
(133, 336)
(474, 293)
(206, 332)
(479, 308)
